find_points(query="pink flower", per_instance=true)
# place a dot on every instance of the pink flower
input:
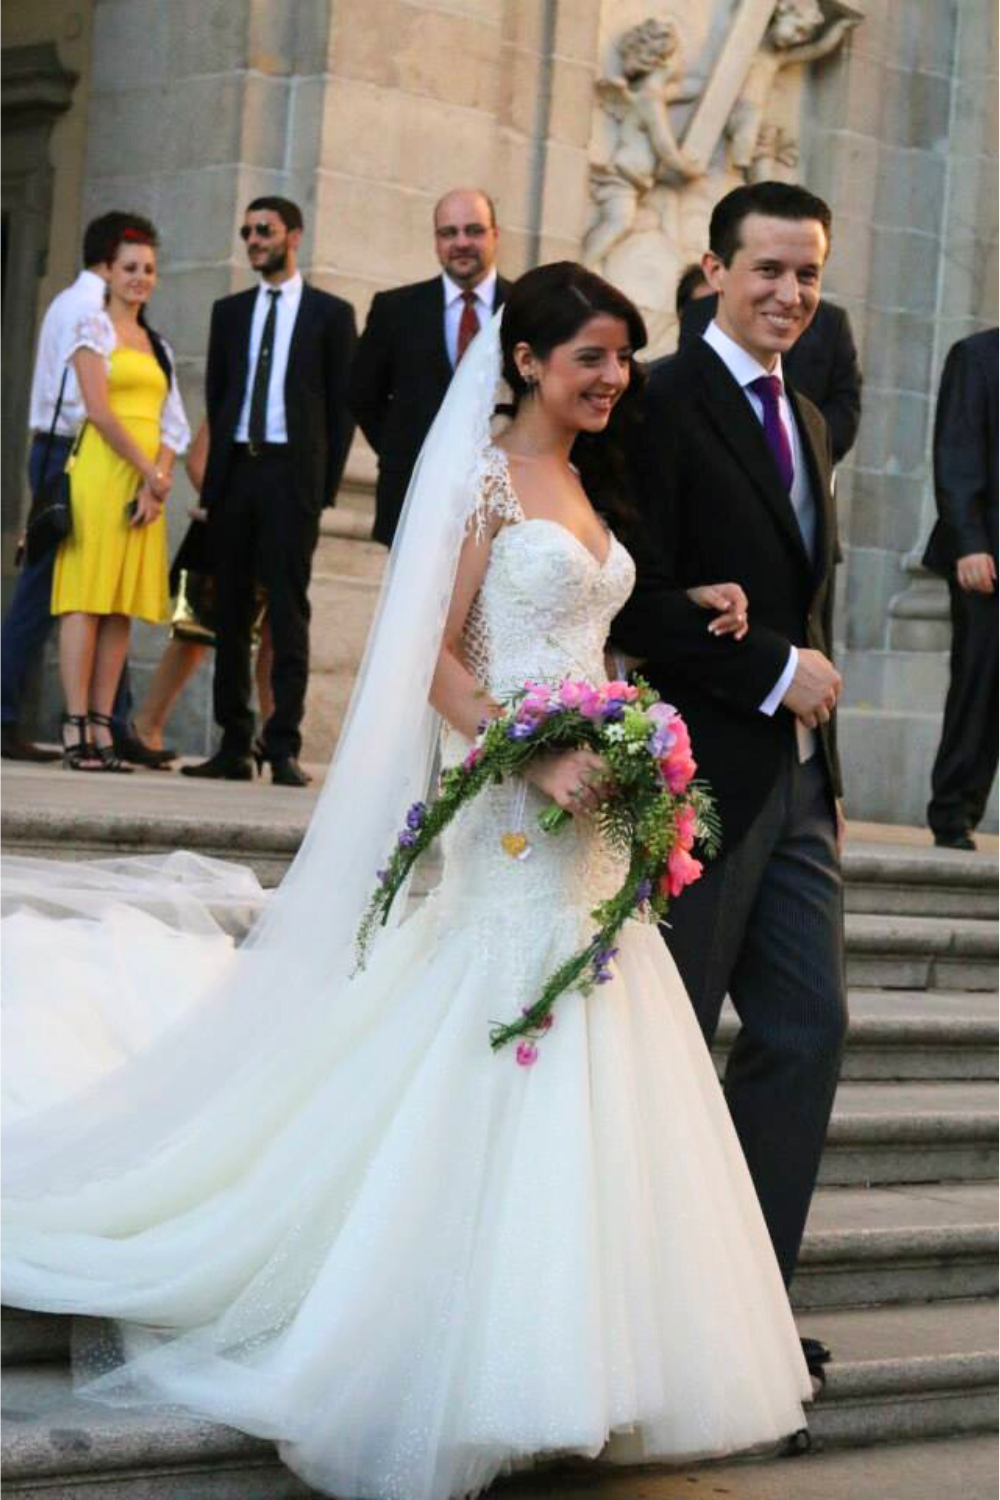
(678, 772)
(475, 755)
(686, 823)
(622, 691)
(590, 704)
(527, 1054)
(662, 713)
(539, 690)
(681, 870)
(570, 692)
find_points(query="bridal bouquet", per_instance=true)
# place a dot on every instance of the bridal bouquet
(653, 815)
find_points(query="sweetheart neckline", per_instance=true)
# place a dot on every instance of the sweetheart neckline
(599, 563)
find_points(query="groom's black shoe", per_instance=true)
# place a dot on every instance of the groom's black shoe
(954, 839)
(286, 771)
(815, 1353)
(222, 767)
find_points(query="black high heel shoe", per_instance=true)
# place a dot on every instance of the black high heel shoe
(76, 757)
(259, 756)
(107, 754)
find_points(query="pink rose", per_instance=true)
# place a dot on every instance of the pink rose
(681, 870)
(686, 823)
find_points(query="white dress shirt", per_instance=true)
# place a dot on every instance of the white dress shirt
(744, 370)
(289, 297)
(86, 295)
(453, 305)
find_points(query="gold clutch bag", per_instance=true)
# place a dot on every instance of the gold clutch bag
(193, 617)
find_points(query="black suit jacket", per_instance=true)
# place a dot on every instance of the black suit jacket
(317, 412)
(822, 364)
(965, 454)
(714, 511)
(401, 373)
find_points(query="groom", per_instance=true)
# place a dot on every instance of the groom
(733, 475)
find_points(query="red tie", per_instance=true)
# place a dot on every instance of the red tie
(468, 326)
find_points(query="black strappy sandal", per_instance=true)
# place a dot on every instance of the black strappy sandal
(76, 757)
(107, 754)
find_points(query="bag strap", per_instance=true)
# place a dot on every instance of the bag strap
(50, 439)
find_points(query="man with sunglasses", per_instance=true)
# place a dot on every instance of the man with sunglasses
(276, 382)
(415, 336)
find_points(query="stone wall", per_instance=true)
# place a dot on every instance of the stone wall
(901, 138)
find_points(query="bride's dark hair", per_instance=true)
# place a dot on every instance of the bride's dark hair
(547, 307)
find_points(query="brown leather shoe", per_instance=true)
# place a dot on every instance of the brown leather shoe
(13, 747)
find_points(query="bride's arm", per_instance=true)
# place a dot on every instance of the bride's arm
(455, 693)
(572, 778)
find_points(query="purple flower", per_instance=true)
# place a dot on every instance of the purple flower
(661, 742)
(382, 876)
(416, 815)
(407, 839)
(613, 712)
(599, 964)
(643, 891)
(520, 731)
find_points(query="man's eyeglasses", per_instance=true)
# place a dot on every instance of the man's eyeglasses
(471, 231)
(256, 231)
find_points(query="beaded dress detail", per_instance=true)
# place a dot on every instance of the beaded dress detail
(418, 1265)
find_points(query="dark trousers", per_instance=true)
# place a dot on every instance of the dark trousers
(765, 924)
(966, 760)
(28, 621)
(261, 534)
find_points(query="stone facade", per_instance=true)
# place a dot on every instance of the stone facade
(365, 111)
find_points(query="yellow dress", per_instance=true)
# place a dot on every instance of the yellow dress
(106, 566)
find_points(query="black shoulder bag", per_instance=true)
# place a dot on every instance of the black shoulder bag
(50, 517)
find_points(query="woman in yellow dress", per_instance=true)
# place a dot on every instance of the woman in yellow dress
(113, 566)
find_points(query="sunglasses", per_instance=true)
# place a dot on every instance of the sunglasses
(256, 231)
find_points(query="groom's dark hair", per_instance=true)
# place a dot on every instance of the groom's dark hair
(775, 200)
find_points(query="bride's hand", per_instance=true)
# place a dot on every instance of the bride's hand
(731, 602)
(576, 780)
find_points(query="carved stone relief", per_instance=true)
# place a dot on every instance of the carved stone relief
(693, 98)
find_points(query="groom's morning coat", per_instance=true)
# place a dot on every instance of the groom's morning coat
(714, 511)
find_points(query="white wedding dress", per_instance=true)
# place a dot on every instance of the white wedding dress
(411, 1262)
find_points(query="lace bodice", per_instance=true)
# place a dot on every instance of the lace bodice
(546, 602)
(543, 612)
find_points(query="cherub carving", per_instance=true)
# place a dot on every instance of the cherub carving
(646, 149)
(795, 34)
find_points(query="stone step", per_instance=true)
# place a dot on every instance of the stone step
(908, 1372)
(888, 1133)
(868, 1246)
(920, 881)
(906, 1035)
(913, 1371)
(917, 953)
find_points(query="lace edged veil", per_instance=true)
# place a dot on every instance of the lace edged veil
(248, 1033)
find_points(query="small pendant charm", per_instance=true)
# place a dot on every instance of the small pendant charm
(515, 844)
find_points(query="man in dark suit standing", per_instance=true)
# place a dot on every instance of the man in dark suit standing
(413, 339)
(963, 549)
(733, 473)
(279, 359)
(822, 364)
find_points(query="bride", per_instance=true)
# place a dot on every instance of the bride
(319, 1207)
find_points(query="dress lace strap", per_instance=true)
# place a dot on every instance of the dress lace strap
(495, 498)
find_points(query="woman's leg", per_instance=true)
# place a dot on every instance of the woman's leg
(77, 648)
(180, 660)
(109, 658)
(262, 673)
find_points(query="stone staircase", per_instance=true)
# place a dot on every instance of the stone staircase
(899, 1265)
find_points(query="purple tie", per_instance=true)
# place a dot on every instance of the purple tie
(768, 388)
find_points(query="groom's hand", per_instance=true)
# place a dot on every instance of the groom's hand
(813, 692)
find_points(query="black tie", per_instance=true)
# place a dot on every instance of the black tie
(262, 376)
